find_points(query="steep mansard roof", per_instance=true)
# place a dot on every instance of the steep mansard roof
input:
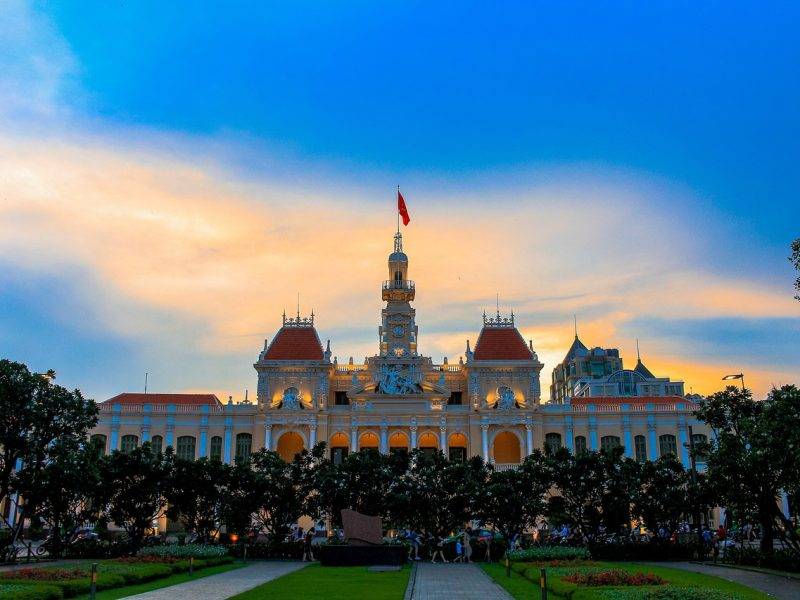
(643, 371)
(501, 343)
(129, 398)
(577, 349)
(295, 343)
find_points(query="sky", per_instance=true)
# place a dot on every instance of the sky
(172, 175)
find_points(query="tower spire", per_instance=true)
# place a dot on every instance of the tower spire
(575, 320)
(638, 355)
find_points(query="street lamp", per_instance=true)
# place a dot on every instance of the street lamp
(736, 376)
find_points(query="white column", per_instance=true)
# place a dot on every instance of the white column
(227, 442)
(485, 441)
(413, 429)
(529, 438)
(443, 439)
(268, 436)
(384, 439)
(203, 451)
(353, 439)
(312, 435)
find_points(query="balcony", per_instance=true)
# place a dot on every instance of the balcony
(398, 290)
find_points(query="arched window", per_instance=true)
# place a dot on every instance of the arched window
(580, 444)
(458, 447)
(667, 444)
(129, 442)
(216, 447)
(428, 443)
(398, 278)
(506, 448)
(290, 444)
(185, 449)
(640, 448)
(244, 445)
(99, 441)
(609, 442)
(157, 444)
(552, 442)
(339, 448)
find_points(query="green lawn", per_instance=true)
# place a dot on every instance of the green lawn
(130, 590)
(520, 588)
(333, 583)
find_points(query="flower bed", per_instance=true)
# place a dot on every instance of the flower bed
(613, 577)
(546, 553)
(187, 551)
(17, 591)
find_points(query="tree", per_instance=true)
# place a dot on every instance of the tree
(511, 501)
(196, 492)
(34, 414)
(132, 489)
(580, 480)
(280, 502)
(660, 496)
(435, 494)
(620, 482)
(243, 499)
(754, 455)
(61, 491)
(795, 260)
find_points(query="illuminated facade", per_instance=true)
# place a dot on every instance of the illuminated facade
(487, 404)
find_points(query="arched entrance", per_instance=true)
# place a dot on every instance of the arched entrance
(340, 446)
(289, 445)
(428, 443)
(398, 442)
(368, 440)
(506, 448)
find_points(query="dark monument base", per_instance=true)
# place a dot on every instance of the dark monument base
(357, 556)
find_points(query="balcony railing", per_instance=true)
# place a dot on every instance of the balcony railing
(405, 285)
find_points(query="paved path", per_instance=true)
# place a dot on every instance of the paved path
(223, 585)
(448, 581)
(774, 585)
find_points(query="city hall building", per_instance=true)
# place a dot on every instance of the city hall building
(489, 403)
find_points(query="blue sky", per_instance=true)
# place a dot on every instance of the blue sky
(683, 114)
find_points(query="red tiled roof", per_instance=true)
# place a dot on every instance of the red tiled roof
(631, 400)
(501, 343)
(128, 398)
(295, 343)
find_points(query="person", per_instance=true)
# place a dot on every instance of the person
(514, 541)
(307, 545)
(439, 550)
(298, 534)
(459, 551)
(413, 540)
(467, 545)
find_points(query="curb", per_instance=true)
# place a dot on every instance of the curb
(412, 580)
(750, 569)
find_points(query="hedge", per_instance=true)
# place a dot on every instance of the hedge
(186, 551)
(29, 591)
(548, 553)
(782, 559)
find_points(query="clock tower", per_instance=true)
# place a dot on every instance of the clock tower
(398, 332)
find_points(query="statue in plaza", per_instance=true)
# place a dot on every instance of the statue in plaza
(361, 530)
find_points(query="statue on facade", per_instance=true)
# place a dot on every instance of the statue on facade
(393, 381)
(506, 400)
(291, 399)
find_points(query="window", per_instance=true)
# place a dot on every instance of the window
(580, 444)
(157, 444)
(338, 455)
(398, 278)
(244, 444)
(609, 442)
(455, 399)
(341, 399)
(552, 441)
(640, 448)
(129, 442)
(185, 450)
(99, 441)
(667, 445)
(216, 447)
(458, 454)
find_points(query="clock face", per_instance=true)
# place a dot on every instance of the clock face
(399, 351)
(398, 331)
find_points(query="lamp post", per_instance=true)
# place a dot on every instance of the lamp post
(739, 376)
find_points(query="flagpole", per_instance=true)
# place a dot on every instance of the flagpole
(398, 211)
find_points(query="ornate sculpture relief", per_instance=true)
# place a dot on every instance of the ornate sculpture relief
(506, 399)
(393, 380)
(291, 399)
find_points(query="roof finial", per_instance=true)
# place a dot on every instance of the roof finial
(298, 305)
(575, 319)
(498, 305)
(638, 356)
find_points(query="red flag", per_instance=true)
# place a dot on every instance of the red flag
(401, 208)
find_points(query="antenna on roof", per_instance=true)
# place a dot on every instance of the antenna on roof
(638, 356)
(145, 382)
(575, 319)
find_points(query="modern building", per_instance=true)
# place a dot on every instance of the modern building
(488, 403)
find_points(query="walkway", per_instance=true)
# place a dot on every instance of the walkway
(448, 581)
(774, 585)
(224, 585)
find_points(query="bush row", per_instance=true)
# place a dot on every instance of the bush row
(782, 560)
(547, 553)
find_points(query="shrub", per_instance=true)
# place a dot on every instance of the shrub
(655, 550)
(782, 559)
(260, 550)
(187, 551)
(19, 591)
(614, 577)
(667, 592)
(36, 574)
(549, 553)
